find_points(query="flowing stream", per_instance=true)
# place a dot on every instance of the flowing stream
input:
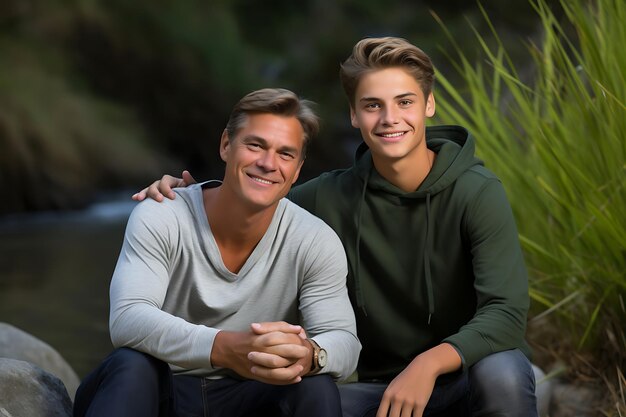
(55, 270)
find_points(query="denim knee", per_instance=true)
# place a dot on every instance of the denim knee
(361, 399)
(127, 383)
(134, 364)
(324, 402)
(503, 384)
(322, 384)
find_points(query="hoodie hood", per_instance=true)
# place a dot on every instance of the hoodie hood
(454, 147)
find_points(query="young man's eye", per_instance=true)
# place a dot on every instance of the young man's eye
(372, 106)
(405, 103)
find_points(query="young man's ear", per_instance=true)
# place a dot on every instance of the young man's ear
(430, 105)
(353, 119)
(224, 145)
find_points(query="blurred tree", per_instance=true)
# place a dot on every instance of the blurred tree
(171, 71)
(58, 142)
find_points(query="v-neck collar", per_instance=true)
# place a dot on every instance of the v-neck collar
(210, 245)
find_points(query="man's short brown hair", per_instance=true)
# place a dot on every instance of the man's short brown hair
(371, 54)
(277, 101)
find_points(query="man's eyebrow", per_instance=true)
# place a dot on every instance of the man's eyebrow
(263, 142)
(409, 94)
(254, 138)
(403, 95)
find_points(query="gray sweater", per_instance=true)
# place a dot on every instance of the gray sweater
(171, 293)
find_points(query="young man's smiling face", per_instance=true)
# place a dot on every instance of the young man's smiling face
(390, 110)
(264, 159)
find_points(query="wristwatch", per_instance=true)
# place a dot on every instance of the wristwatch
(320, 357)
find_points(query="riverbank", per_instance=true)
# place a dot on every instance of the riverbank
(55, 269)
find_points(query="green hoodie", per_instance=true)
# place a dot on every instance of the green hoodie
(440, 264)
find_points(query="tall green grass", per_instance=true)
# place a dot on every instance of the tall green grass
(556, 136)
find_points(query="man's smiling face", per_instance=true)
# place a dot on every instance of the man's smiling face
(390, 110)
(264, 158)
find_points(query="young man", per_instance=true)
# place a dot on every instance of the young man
(209, 288)
(436, 274)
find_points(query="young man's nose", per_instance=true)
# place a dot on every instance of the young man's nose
(390, 116)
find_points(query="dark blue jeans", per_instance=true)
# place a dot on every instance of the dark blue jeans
(500, 385)
(132, 384)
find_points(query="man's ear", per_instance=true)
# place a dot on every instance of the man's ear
(430, 105)
(224, 145)
(353, 120)
(295, 177)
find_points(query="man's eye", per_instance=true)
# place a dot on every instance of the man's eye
(372, 106)
(254, 145)
(287, 155)
(406, 103)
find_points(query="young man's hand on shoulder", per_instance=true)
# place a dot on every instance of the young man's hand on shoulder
(163, 188)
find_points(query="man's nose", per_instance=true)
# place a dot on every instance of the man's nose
(390, 115)
(267, 161)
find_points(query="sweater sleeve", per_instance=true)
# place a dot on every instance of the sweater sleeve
(327, 315)
(139, 286)
(500, 278)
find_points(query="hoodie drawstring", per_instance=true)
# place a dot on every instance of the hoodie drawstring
(357, 283)
(429, 281)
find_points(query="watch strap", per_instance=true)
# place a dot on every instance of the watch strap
(315, 363)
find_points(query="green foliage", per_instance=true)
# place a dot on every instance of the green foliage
(557, 138)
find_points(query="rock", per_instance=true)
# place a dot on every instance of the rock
(29, 391)
(570, 400)
(17, 344)
(543, 391)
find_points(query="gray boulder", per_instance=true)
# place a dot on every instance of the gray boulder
(29, 391)
(571, 400)
(17, 344)
(543, 391)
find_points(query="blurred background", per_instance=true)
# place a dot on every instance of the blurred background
(100, 95)
(99, 98)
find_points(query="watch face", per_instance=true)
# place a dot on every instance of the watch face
(322, 358)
